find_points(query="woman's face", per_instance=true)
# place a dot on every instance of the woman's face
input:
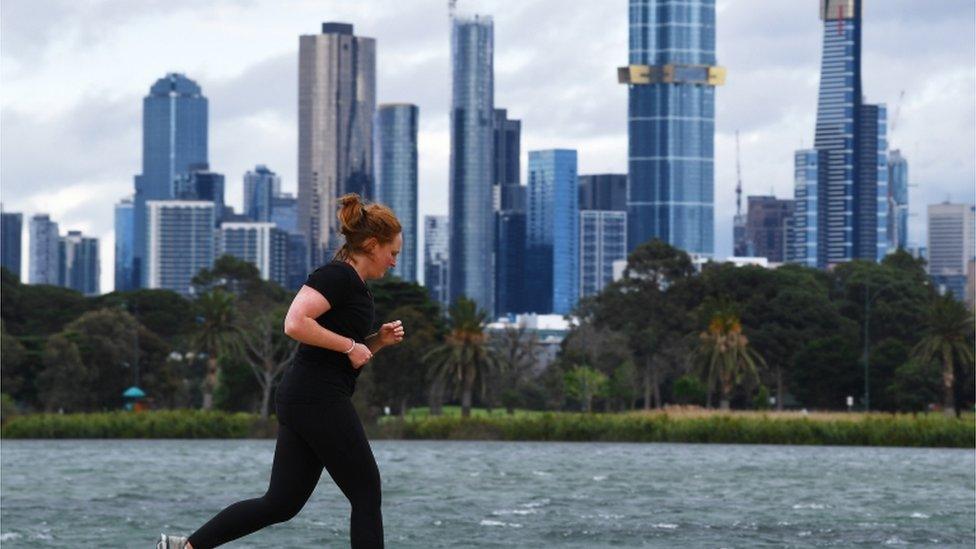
(383, 257)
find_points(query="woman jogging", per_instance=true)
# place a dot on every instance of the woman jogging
(318, 427)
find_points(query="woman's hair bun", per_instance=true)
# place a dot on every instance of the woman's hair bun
(351, 213)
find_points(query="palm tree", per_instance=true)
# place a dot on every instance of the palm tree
(464, 357)
(215, 335)
(948, 329)
(729, 359)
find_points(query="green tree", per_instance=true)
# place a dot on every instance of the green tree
(216, 334)
(63, 382)
(583, 383)
(623, 385)
(517, 350)
(729, 359)
(398, 372)
(13, 363)
(915, 385)
(464, 359)
(947, 336)
(825, 371)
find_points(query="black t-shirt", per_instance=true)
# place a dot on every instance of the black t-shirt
(319, 372)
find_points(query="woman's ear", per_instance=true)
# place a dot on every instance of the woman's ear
(370, 244)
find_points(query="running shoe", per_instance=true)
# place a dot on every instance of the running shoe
(170, 542)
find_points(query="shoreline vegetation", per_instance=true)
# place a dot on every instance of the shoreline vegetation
(684, 425)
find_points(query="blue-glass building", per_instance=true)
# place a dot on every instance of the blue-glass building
(897, 200)
(472, 231)
(510, 280)
(10, 232)
(851, 147)
(174, 139)
(78, 264)
(807, 241)
(395, 166)
(602, 240)
(605, 191)
(124, 244)
(552, 233)
(202, 184)
(671, 77)
(261, 186)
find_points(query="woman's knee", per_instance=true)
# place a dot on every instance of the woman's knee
(282, 510)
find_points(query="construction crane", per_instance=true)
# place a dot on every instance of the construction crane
(894, 117)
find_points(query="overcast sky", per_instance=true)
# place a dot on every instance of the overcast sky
(73, 75)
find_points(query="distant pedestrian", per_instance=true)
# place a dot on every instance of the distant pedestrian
(317, 425)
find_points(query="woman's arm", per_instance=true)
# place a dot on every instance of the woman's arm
(300, 325)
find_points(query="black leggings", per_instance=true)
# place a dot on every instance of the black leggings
(310, 436)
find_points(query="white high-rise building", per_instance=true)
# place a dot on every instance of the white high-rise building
(436, 256)
(951, 244)
(259, 243)
(179, 242)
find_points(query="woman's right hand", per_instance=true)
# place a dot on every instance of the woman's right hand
(359, 355)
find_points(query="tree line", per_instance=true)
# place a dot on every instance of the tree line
(731, 337)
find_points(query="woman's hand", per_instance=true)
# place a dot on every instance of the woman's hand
(390, 333)
(359, 355)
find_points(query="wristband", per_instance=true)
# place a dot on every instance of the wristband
(351, 348)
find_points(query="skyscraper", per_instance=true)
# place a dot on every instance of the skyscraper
(44, 257)
(260, 188)
(284, 214)
(259, 243)
(472, 270)
(951, 244)
(767, 221)
(174, 138)
(395, 162)
(202, 184)
(605, 191)
(671, 77)
(505, 170)
(552, 235)
(179, 242)
(897, 200)
(436, 260)
(336, 101)
(124, 244)
(851, 214)
(10, 230)
(78, 264)
(602, 240)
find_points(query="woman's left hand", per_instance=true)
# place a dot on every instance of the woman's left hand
(391, 333)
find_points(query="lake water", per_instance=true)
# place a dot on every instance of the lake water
(500, 494)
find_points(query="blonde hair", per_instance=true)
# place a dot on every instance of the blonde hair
(359, 222)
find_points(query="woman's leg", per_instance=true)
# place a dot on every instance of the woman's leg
(294, 475)
(340, 443)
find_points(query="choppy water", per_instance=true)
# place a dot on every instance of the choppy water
(498, 494)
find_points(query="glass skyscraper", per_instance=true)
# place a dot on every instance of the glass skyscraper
(395, 162)
(79, 268)
(605, 191)
(44, 256)
(10, 231)
(124, 243)
(671, 77)
(552, 256)
(336, 100)
(807, 239)
(436, 253)
(174, 141)
(897, 200)
(851, 150)
(259, 243)
(602, 240)
(261, 186)
(202, 184)
(472, 234)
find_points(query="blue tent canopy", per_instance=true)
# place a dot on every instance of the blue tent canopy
(134, 392)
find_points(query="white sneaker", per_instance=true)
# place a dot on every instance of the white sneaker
(170, 542)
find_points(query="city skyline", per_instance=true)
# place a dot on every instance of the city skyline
(97, 129)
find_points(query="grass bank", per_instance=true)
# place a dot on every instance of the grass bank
(121, 424)
(698, 426)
